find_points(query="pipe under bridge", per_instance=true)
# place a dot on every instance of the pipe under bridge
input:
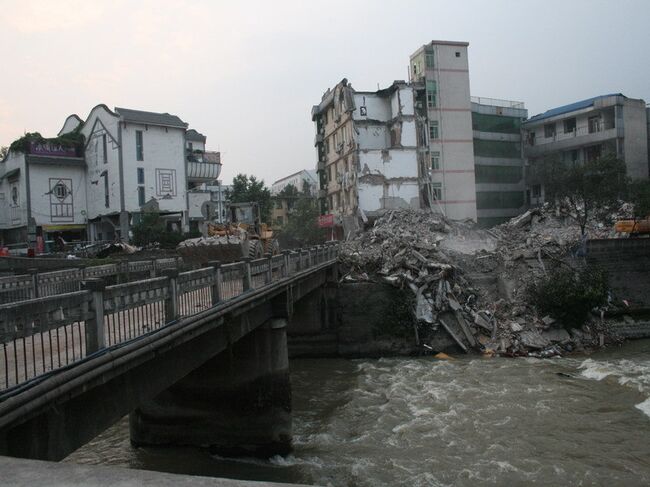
(195, 358)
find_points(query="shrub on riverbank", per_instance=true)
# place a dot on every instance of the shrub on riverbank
(568, 295)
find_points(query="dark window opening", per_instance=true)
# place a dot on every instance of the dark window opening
(457, 53)
(141, 196)
(569, 125)
(549, 130)
(139, 149)
(141, 175)
(105, 148)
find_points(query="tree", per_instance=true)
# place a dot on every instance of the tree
(4, 150)
(302, 228)
(640, 196)
(569, 295)
(249, 189)
(151, 230)
(585, 187)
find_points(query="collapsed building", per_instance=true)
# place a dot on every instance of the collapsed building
(426, 143)
(421, 143)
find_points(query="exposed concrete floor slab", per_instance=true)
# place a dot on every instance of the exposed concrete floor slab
(17, 472)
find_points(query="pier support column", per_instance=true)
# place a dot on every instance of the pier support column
(237, 404)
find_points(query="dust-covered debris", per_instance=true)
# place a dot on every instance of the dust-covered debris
(471, 283)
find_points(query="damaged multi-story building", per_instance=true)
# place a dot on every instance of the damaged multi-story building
(367, 152)
(413, 145)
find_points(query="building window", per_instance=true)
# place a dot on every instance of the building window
(569, 125)
(432, 89)
(549, 130)
(537, 191)
(141, 196)
(139, 149)
(429, 59)
(435, 161)
(105, 148)
(433, 130)
(457, 53)
(594, 124)
(436, 190)
(107, 200)
(141, 175)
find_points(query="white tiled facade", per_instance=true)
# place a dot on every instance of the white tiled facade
(129, 158)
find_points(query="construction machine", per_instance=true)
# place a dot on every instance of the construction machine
(634, 227)
(242, 235)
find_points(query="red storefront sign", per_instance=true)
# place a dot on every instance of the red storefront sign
(326, 221)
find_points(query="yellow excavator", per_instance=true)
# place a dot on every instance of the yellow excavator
(243, 235)
(633, 227)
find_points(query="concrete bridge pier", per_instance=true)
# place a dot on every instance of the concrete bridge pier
(238, 403)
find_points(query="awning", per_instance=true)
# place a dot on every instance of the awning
(63, 228)
(10, 174)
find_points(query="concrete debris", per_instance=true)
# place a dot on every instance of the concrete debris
(471, 283)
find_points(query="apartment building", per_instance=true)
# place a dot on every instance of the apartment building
(583, 131)
(97, 189)
(300, 179)
(498, 159)
(367, 152)
(440, 72)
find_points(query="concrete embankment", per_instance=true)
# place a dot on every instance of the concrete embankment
(17, 472)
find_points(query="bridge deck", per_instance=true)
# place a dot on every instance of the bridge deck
(41, 335)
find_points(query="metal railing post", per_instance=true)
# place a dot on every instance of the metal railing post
(171, 302)
(34, 275)
(247, 281)
(286, 268)
(95, 338)
(216, 285)
(152, 271)
(299, 261)
(269, 272)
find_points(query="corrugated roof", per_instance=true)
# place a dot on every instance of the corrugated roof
(150, 118)
(194, 136)
(579, 105)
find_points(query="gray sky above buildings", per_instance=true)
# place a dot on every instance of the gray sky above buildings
(247, 73)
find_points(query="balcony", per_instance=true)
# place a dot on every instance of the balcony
(203, 167)
(581, 136)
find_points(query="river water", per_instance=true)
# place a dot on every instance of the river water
(424, 422)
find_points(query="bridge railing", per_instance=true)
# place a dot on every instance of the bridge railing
(38, 335)
(40, 284)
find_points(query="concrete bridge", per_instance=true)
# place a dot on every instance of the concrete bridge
(196, 358)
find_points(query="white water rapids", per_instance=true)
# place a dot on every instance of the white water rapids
(466, 422)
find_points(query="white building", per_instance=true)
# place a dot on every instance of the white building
(97, 190)
(440, 70)
(297, 180)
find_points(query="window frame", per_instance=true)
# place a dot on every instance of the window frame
(139, 145)
(434, 130)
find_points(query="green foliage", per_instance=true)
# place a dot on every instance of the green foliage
(249, 189)
(74, 140)
(289, 191)
(4, 150)
(584, 186)
(151, 230)
(302, 228)
(569, 295)
(640, 196)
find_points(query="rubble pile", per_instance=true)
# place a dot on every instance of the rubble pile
(470, 283)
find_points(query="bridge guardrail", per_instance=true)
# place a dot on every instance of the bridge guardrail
(39, 335)
(40, 284)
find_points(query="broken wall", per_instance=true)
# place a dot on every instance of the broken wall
(388, 179)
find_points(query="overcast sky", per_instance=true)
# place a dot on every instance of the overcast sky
(246, 74)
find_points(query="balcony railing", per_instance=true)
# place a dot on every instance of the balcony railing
(496, 102)
(593, 128)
